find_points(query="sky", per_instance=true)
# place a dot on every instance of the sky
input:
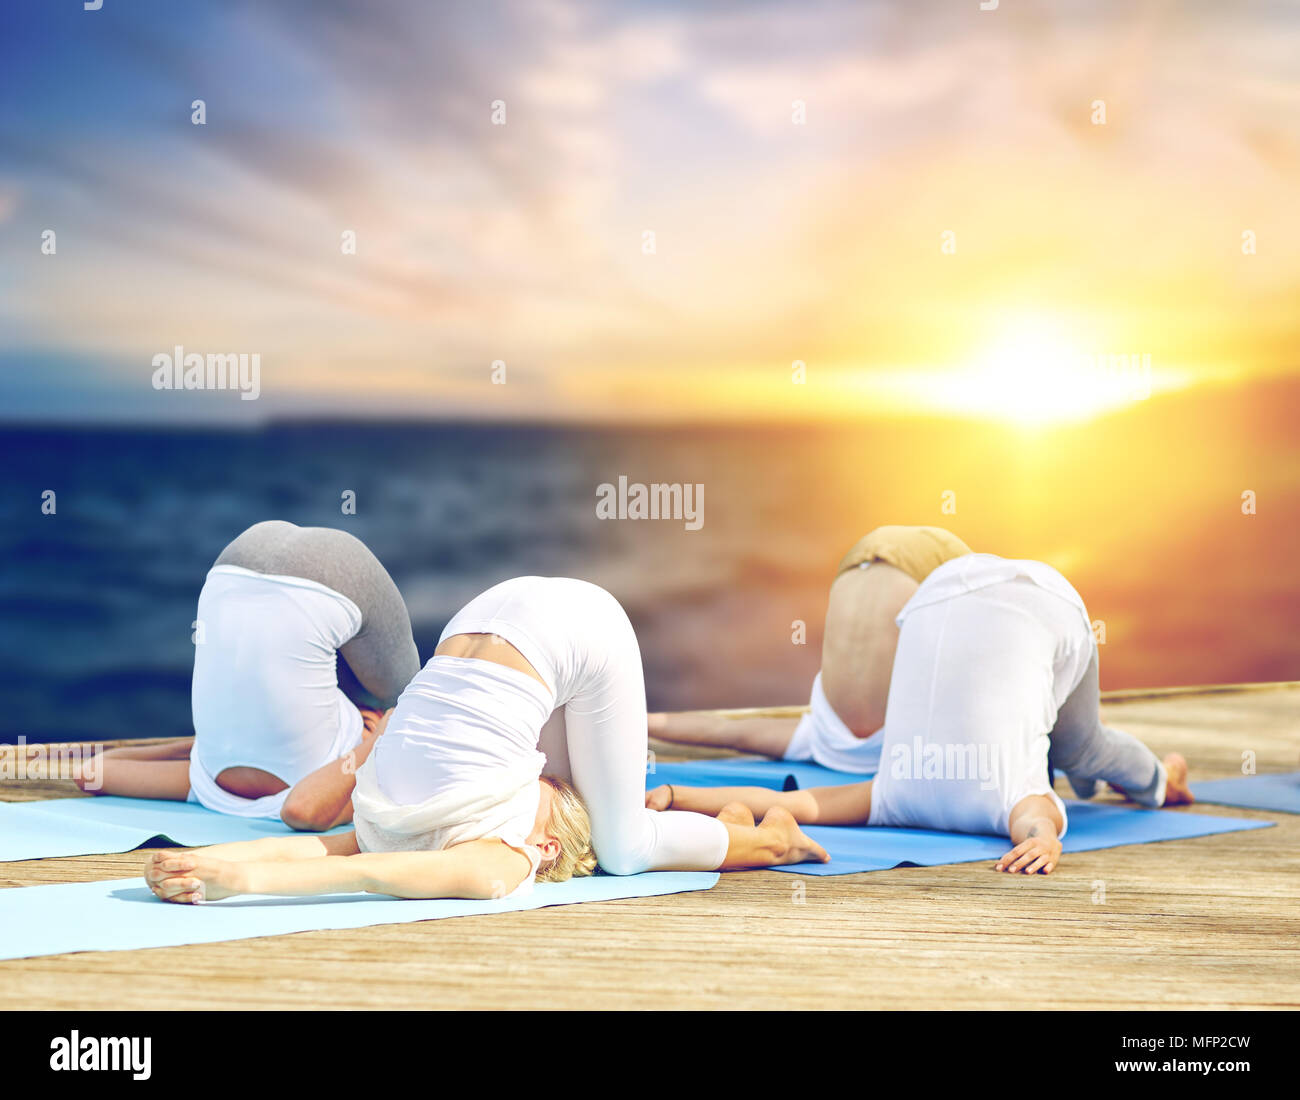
(856, 208)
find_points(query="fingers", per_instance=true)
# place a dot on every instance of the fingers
(1020, 856)
(1025, 859)
(186, 891)
(168, 864)
(165, 876)
(1030, 858)
(1018, 850)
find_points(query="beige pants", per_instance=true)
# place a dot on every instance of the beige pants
(849, 696)
(917, 551)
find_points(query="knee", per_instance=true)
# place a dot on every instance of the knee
(305, 814)
(619, 863)
(1065, 754)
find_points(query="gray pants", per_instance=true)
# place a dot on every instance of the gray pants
(1090, 753)
(381, 659)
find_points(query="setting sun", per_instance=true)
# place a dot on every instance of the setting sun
(1034, 375)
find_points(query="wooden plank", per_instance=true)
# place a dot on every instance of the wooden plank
(1204, 923)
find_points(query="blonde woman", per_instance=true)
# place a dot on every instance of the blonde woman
(453, 802)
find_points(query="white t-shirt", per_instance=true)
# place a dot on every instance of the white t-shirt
(822, 737)
(458, 761)
(265, 689)
(989, 648)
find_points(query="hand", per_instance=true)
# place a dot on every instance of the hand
(661, 798)
(1031, 856)
(191, 877)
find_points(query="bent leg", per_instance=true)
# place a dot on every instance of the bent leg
(1090, 752)
(605, 725)
(381, 657)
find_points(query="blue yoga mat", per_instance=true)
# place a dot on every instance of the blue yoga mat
(94, 826)
(855, 849)
(1253, 792)
(122, 915)
(108, 823)
(780, 775)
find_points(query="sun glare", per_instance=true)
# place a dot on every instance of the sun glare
(1034, 376)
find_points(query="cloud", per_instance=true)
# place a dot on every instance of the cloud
(524, 242)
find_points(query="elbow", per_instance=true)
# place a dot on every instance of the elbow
(306, 815)
(485, 888)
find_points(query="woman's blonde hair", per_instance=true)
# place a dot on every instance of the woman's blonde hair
(570, 824)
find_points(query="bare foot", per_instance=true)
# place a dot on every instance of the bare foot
(189, 877)
(736, 813)
(1177, 792)
(791, 845)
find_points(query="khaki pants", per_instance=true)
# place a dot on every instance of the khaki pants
(917, 551)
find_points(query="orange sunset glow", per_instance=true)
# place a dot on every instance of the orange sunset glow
(1044, 257)
(936, 211)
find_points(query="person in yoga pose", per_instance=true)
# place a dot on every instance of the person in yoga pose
(302, 641)
(458, 799)
(878, 575)
(995, 672)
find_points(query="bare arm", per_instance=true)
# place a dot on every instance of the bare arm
(134, 778)
(137, 771)
(271, 848)
(324, 798)
(178, 749)
(477, 869)
(751, 733)
(845, 805)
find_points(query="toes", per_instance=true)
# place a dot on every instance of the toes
(815, 851)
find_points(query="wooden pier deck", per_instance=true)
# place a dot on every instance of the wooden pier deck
(1211, 922)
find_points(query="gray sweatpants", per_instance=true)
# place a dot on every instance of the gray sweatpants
(1090, 753)
(381, 658)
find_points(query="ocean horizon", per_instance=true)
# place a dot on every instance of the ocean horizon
(97, 598)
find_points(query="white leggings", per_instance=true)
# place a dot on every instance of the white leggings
(579, 639)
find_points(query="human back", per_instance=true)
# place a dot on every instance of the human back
(989, 649)
(265, 691)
